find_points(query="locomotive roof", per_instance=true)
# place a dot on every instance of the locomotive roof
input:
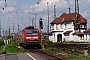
(29, 27)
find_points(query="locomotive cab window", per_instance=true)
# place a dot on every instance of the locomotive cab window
(31, 32)
(28, 32)
(34, 32)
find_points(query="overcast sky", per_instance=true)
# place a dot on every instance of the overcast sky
(22, 12)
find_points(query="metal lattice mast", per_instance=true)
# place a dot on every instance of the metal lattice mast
(54, 12)
(77, 17)
(0, 28)
(18, 27)
(9, 31)
(13, 28)
(48, 17)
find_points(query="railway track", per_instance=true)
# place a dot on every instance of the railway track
(49, 55)
(79, 46)
(52, 56)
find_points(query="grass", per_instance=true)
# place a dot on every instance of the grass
(1, 42)
(1, 47)
(70, 54)
(48, 42)
(54, 49)
(12, 47)
(74, 42)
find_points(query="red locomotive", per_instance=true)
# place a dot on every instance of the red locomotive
(29, 37)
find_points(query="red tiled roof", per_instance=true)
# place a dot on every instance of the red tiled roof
(86, 31)
(67, 32)
(78, 33)
(67, 17)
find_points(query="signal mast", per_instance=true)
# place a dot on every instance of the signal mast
(77, 17)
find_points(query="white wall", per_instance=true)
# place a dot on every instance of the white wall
(69, 26)
(87, 38)
(66, 26)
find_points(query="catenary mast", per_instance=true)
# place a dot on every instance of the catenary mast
(77, 17)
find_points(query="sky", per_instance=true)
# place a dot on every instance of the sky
(22, 12)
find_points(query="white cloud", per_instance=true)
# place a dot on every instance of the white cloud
(89, 1)
(2, 3)
(12, 2)
(8, 9)
(85, 14)
(9, 6)
(43, 5)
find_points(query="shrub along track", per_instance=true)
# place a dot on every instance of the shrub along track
(75, 49)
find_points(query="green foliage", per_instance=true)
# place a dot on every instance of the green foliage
(3, 52)
(1, 42)
(1, 47)
(12, 47)
(89, 52)
(54, 49)
(73, 42)
(48, 42)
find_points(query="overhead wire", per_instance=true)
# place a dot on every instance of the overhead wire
(51, 7)
(87, 8)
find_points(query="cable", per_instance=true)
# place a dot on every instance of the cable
(86, 8)
(51, 7)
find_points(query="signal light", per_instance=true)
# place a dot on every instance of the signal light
(41, 23)
(3, 8)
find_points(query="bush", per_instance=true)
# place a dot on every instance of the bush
(12, 47)
(48, 42)
(54, 49)
(1, 42)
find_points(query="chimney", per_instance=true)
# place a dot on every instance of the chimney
(69, 9)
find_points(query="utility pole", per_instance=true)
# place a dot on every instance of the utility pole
(3, 33)
(77, 17)
(35, 19)
(9, 31)
(32, 22)
(18, 27)
(54, 12)
(0, 28)
(37, 2)
(48, 18)
(13, 28)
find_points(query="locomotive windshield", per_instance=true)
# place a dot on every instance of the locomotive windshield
(31, 32)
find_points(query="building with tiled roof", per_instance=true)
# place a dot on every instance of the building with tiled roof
(63, 28)
(68, 17)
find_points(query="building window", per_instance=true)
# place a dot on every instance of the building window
(69, 26)
(57, 27)
(52, 27)
(89, 37)
(65, 26)
(81, 37)
(82, 26)
(60, 26)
